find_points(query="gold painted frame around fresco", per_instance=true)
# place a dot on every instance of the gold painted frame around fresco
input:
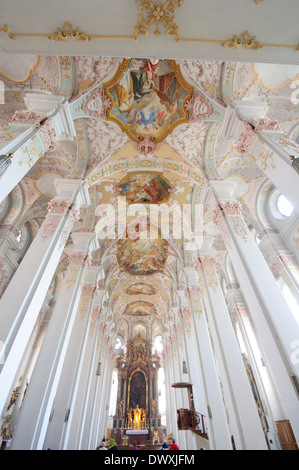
(167, 129)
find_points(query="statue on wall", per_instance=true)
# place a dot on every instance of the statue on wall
(137, 418)
(154, 406)
(129, 418)
(120, 407)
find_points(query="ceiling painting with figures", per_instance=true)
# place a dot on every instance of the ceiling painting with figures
(148, 97)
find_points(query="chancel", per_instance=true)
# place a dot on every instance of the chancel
(149, 226)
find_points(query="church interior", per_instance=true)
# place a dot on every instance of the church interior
(149, 225)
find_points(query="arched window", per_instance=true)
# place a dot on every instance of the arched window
(157, 345)
(284, 207)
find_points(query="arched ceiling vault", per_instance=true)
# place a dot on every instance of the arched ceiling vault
(115, 160)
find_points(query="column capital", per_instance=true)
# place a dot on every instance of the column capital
(281, 262)
(77, 258)
(223, 189)
(84, 241)
(248, 110)
(58, 206)
(191, 274)
(231, 207)
(268, 231)
(206, 262)
(194, 291)
(89, 290)
(70, 188)
(183, 298)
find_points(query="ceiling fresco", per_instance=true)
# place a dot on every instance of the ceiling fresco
(145, 188)
(148, 97)
(142, 256)
(141, 289)
(150, 130)
(140, 308)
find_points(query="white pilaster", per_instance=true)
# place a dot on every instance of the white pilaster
(249, 425)
(39, 400)
(23, 298)
(84, 439)
(26, 150)
(88, 375)
(273, 157)
(275, 324)
(59, 428)
(216, 418)
(270, 409)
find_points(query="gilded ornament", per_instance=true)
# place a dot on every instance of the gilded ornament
(244, 40)
(158, 13)
(6, 29)
(265, 158)
(66, 32)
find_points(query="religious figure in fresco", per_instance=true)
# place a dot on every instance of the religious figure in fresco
(142, 257)
(148, 97)
(140, 288)
(144, 188)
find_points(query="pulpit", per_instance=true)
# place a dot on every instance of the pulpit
(188, 418)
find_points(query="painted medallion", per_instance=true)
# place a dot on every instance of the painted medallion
(148, 98)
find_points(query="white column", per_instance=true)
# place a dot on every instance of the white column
(249, 425)
(88, 375)
(59, 428)
(8, 264)
(180, 394)
(26, 150)
(272, 300)
(174, 403)
(282, 263)
(271, 150)
(102, 403)
(189, 362)
(94, 379)
(171, 414)
(23, 298)
(269, 406)
(215, 415)
(39, 401)
(275, 324)
(272, 153)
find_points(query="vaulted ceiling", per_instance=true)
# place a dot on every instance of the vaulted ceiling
(105, 151)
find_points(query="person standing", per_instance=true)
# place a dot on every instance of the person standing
(174, 446)
(112, 445)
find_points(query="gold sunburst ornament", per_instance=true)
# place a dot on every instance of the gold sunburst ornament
(158, 12)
